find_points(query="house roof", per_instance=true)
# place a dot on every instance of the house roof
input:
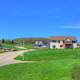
(62, 38)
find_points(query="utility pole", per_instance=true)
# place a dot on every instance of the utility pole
(23, 57)
(23, 43)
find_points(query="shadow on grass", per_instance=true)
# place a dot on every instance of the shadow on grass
(76, 72)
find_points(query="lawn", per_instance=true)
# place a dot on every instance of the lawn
(52, 65)
(27, 45)
(7, 47)
(11, 46)
(50, 54)
(51, 70)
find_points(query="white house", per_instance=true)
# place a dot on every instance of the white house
(39, 44)
(62, 42)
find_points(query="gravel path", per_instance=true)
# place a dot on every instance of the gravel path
(8, 57)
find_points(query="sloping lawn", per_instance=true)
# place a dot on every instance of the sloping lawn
(51, 65)
(51, 70)
(49, 54)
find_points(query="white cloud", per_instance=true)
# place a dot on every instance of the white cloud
(70, 27)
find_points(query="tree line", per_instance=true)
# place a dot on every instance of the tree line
(7, 41)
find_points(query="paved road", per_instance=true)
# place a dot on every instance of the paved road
(8, 57)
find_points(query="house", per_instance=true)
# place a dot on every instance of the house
(62, 42)
(39, 44)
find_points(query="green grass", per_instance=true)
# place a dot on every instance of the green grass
(76, 72)
(51, 70)
(8, 46)
(49, 54)
(27, 45)
(51, 65)
(11, 46)
(1, 51)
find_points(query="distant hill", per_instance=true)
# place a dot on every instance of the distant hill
(31, 40)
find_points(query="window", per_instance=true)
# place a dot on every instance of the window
(63, 41)
(53, 40)
(58, 41)
(74, 41)
(54, 46)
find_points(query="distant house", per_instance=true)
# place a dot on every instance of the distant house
(62, 42)
(39, 44)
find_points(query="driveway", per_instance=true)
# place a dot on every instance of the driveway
(8, 57)
(21, 47)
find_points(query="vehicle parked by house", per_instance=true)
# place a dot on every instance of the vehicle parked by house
(62, 42)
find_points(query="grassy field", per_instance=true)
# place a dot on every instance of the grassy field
(11, 46)
(53, 70)
(52, 65)
(26, 45)
(7, 46)
(50, 54)
(29, 46)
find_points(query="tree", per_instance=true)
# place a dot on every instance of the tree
(3, 40)
(13, 42)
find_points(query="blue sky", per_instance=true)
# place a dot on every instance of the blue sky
(39, 18)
